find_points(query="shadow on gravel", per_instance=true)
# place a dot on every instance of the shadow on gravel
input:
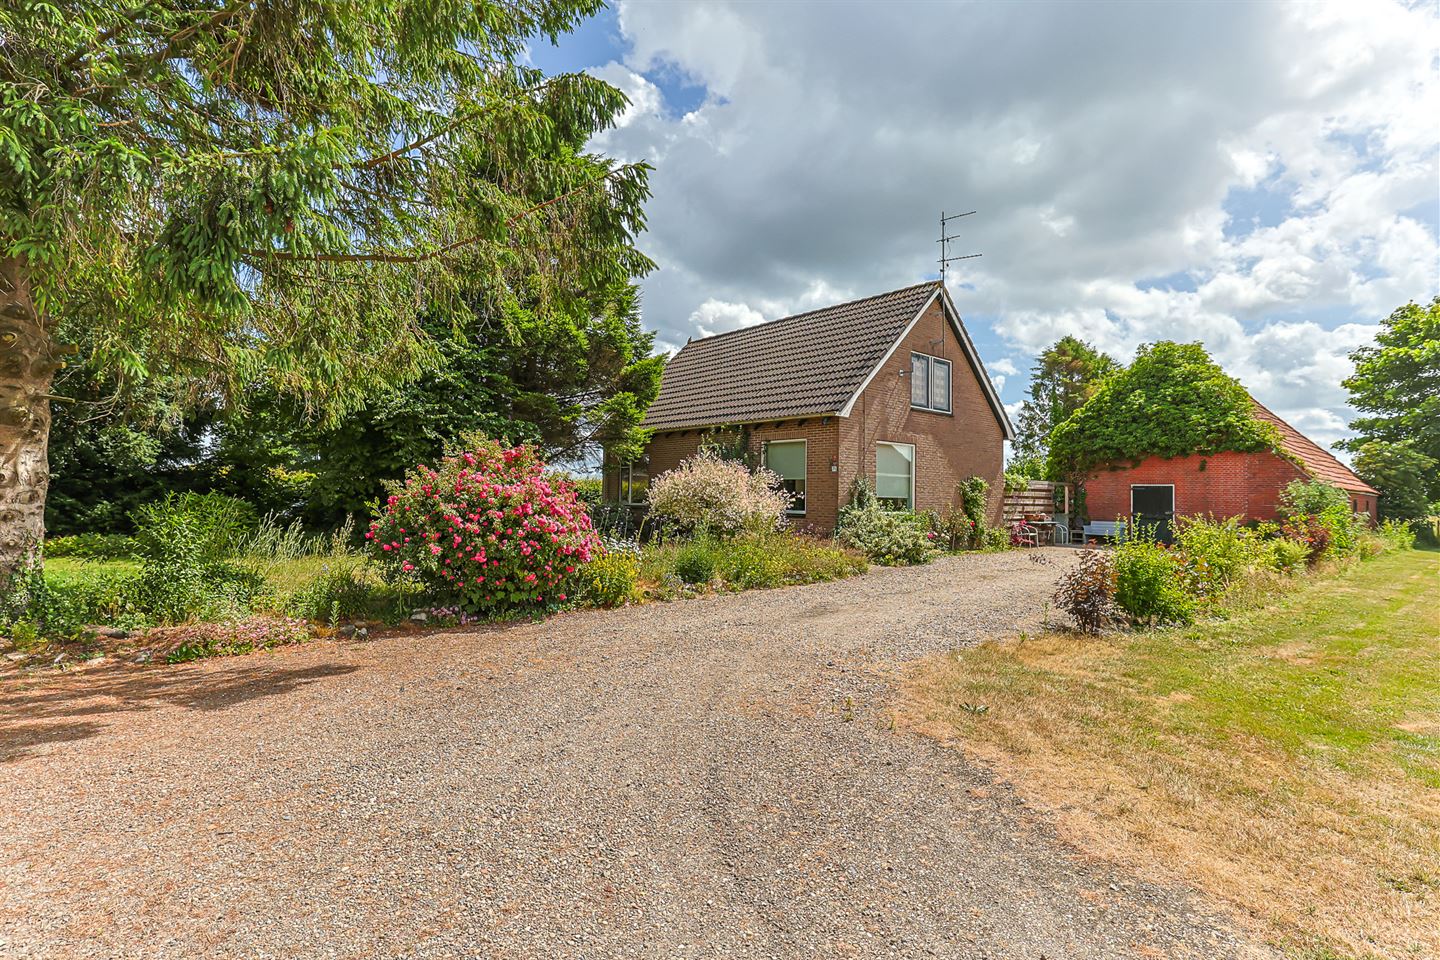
(23, 714)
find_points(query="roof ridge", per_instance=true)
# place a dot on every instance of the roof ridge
(798, 316)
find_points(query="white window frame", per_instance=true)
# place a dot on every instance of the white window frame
(627, 484)
(805, 446)
(914, 470)
(930, 362)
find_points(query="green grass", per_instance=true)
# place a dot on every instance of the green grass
(1329, 675)
(1287, 759)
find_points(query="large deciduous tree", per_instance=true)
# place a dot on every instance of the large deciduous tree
(266, 195)
(1400, 473)
(1397, 385)
(1064, 376)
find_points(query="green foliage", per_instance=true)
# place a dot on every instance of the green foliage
(186, 544)
(1396, 383)
(210, 190)
(747, 562)
(1064, 377)
(778, 559)
(90, 546)
(1218, 552)
(1402, 475)
(589, 489)
(887, 537)
(346, 588)
(975, 502)
(1148, 581)
(695, 561)
(997, 539)
(1312, 497)
(1286, 555)
(1173, 400)
(1397, 534)
(611, 579)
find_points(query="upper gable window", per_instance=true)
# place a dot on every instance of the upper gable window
(929, 383)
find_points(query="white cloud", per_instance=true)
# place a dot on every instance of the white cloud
(1104, 145)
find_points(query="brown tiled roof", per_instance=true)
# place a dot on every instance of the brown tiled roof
(1314, 459)
(806, 365)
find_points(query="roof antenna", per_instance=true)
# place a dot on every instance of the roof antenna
(945, 238)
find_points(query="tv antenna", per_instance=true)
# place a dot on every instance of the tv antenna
(944, 241)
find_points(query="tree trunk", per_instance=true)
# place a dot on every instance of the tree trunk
(27, 366)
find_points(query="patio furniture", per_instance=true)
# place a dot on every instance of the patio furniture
(1024, 534)
(1109, 529)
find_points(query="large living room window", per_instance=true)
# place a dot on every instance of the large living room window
(787, 458)
(929, 383)
(895, 475)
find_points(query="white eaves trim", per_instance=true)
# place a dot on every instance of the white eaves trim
(966, 344)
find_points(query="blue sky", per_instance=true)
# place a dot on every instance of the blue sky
(1264, 178)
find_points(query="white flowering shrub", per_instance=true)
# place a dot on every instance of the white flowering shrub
(709, 495)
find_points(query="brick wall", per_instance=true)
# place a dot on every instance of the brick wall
(1225, 484)
(669, 448)
(948, 447)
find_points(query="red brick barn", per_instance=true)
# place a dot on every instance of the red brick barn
(889, 387)
(1227, 484)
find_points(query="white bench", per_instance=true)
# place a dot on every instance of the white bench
(1103, 528)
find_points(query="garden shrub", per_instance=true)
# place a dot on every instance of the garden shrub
(487, 530)
(1087, 592)
(888, 537)
(612, 579)
(952, 530)
(997, 538)
(1286, 555)
(186, 545)
(216, 526)
(1312, 497)
(709, 495)
(1148, 581)
(975, 504)
(695, 561)
(1397, 534)
(1217, 552)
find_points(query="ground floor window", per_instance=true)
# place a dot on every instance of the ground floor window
(787, 458)
(895, 475)
(634, 483)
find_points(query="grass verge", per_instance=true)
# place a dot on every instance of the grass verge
(1286, 760)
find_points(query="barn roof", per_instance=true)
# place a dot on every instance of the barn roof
(809, 364)
(1314, 459)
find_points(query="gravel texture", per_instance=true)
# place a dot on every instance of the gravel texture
(706, 778)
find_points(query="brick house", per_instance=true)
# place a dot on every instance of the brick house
(889, 387)
(1226, 484)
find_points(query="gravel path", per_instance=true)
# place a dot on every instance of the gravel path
(707, 778)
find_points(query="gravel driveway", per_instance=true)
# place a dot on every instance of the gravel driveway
(706, 778)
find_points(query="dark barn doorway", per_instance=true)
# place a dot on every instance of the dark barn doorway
(1154, 505)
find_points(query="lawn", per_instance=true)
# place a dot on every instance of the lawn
(1286, 760)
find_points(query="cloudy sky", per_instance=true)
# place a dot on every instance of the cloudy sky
(1263, 177)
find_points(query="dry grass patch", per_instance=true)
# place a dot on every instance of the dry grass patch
(1285, 760)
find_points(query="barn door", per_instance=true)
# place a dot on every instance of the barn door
(1154, 504)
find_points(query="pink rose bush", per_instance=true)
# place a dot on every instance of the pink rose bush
(487, 530)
